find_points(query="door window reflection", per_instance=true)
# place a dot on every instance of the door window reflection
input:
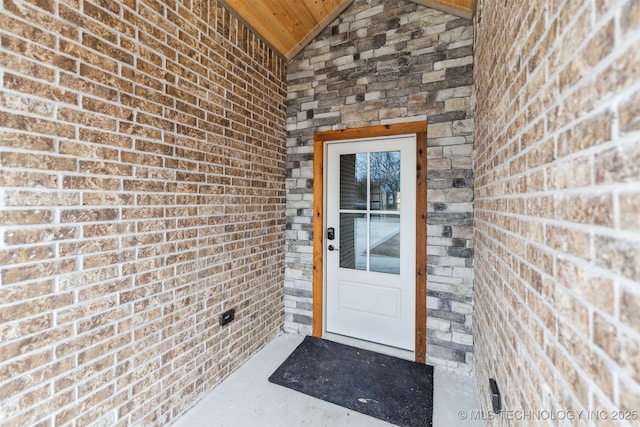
(384, 189)
(384, 243)
(370, 211)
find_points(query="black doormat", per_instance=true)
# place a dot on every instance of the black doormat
(391, 389)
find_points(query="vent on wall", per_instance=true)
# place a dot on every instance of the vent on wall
(227, 316)
(496, 399)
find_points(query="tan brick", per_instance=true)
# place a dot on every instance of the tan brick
(30, 179)
(106, 138)
(91, 183)
(618, 345)
(40, 235)
(81, 279)
(107, 49)
(107, 229)
(26, 66)
(37, 125)
(77, 343)
(18, 293)
(630, 16)
(93, 406)
(40, 198)
(571, 174)
(580, 100)
(22, 365)
(87, 56)
(86, 118)
(108, 19)
(629, 304)
(629, 204)
(542, 206)
(89, 215)
(572, 311)
(594, 130)
(544, 313)
(20, 103)
(35, 342)
(600, 45)
(102, 407)
(104, 289)
(535, 182)
(25, 327)
(24, 255)
(629, 111)
(79, 149)
(600, 292)
(629, 399)
(541, 154)
(568, 372)
(26, 217)
(33, 87)
(104, 168)
(533, 136)
(11, 275)
(103, 259)
(620, 256)
(39, 53)
(103, 85)
(588, 209)
(38, 161)
(621, 73)
(570, 241)
(26, 399)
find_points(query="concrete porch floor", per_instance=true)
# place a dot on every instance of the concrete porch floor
(247, 399)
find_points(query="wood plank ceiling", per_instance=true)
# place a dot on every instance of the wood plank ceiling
(288, 25)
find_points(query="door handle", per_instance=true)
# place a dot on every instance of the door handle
(331, 248)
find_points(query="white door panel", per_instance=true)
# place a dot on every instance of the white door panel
(368, 299)
(370, 264)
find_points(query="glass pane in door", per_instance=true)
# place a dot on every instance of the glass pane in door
(369, 185)
(353, 181)
(353, 241)
(384, 243)
(384, 191)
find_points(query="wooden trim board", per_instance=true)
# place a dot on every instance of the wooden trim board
(461, 8)
(421, 247)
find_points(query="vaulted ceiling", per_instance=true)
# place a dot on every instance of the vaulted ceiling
(288, 25)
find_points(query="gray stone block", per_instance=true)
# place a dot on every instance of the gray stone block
(443, 350)
(302, 319)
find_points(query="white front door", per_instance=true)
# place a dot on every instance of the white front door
(370, 240)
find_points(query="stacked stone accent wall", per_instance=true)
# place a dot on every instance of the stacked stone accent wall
(142, 158)
(381, 62)
(557, 184)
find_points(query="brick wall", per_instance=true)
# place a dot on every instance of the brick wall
(557, 185)
(142, 192)
(380, 62)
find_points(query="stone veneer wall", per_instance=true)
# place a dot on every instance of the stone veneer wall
(557, 184)
(142, 156)
(380, 62)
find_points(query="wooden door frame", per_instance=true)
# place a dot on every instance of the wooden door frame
(419, 129)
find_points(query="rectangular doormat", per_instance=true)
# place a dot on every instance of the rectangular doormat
(385, 387)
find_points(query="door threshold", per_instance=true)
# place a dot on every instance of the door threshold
(371, 346)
